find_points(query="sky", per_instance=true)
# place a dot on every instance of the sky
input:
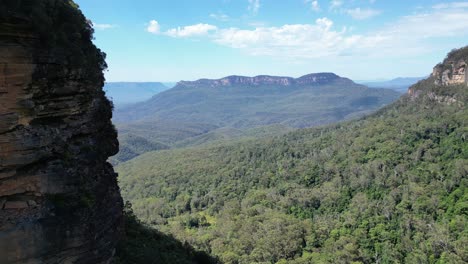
(173, 40)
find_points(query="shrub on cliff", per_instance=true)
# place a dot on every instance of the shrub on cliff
(62, 31)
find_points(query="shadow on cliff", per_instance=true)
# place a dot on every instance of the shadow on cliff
(146, 245)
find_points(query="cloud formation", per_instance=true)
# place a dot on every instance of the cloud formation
(297, 40)
(314, 4)
(220, 16)
(190, 31)
(153, 27)
(254, 6)
(362, 13)
(181, 32)
(451, 5)
(407, 36)
(103, 26)
(334, 4)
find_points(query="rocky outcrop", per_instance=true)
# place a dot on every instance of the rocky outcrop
(452, 70)
(448, 78)
(265, 80)
(59, 199)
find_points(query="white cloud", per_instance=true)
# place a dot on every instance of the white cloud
(295, 41)
(190, 31)
(104, 26)
(220, 16)
(438, 24)
(361, 14)
(451, 5)
(153, 27)
(314, 4)
(407, 36)
(335, 4)
(254, 6)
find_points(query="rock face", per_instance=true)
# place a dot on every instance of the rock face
(453, 70)
(310, 79)
(59, 199)
(446, 79)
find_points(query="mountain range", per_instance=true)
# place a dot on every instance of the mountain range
(207, 110)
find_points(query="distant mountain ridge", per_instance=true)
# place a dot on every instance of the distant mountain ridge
(309, 79)
(400, 84)
(275, 99)
(205, 110)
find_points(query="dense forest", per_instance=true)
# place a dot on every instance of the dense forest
(387, 188)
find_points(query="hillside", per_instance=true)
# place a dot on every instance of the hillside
(263, 100)
(125, 93)
(185, 114)
(387, 188)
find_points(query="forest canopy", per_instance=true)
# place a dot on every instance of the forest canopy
(388, 188)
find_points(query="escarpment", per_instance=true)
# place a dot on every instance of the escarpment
(312, 79)
(59, 199)
(452, 70)
(447, 81)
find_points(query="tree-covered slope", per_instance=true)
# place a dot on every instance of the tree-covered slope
(388, 188)
(208, 110)
(237, 101)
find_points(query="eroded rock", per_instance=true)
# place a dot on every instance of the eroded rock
(450, 73)
(59, 197)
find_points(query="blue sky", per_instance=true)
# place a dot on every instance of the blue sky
(155, 40)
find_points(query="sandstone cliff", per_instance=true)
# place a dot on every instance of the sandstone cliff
(453, 69)
(448, 78)
(59, 199)
(265, 80)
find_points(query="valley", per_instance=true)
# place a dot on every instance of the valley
(266, 169)
(388, 187)
(207, 111)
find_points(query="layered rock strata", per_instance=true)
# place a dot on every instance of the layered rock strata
(59, 199)
(450, 72)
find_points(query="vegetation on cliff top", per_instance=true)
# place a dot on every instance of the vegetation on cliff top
(63, 32)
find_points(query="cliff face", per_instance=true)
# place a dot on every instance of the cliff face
(447, 81)
(310, 79)
(59, 199)
(453, 69)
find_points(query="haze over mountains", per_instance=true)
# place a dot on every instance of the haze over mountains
(400, 84)
(205, 110)
(248, 101)
(125, 93)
